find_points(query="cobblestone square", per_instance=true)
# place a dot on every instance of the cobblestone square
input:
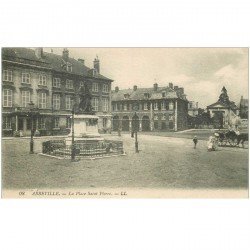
(162, 162)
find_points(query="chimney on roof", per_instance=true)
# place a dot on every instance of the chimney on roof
(81, 61)
(39, 52)
(135, 87)
(197, 104)
(181, 91)
(116, 89)
(155, 86)
(97, 64)
(170, 85)
(65, 54)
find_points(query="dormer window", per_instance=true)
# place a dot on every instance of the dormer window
(146, 95)
(126, 96)
(69, 67)
(163, 94)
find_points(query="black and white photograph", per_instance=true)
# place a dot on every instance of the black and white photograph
(124, 125)
(124, 122)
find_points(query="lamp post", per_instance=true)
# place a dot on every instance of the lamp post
(135, 128)
(73, 135)
(31, 113)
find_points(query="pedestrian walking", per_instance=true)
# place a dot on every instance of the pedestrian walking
(195, 140)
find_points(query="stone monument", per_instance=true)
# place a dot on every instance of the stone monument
(84, 121)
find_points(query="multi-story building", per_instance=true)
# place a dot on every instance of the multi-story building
(52, 83)
(157, 108)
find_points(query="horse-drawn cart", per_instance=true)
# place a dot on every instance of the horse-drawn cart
(231, 138)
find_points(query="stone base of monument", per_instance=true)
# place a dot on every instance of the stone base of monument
(87, 141)
(85, 129)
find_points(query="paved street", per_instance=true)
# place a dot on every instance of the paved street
(163, 162)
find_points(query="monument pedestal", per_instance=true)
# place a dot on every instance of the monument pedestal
(85, 129)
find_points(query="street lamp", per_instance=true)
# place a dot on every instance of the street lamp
(31, 113)
(135, 128)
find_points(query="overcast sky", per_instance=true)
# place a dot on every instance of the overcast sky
(202, 72)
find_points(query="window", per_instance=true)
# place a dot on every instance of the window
(155, 106)
(68, 122)
(69, 67)
(104, 122)
(164, 94)
(146, 95)
(7, 75)
(42, 80)
(56, 122)
(69, 102)
(7, 98)
(82, 86)
(57, 82)
(171, 106)
(95, 103)
(41, 123)
(125, 106)
(56, 101)
(126, 96)
(26, 78)
(106, 104)
(145, 106)
(116, 107)
(105, 88)
(69, 84)
(95, 87)
(163, 105)
(25, 98)
(42, 99)
(6, 122)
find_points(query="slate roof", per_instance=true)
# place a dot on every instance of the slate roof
(139, 94)
(49, 60)
(230, 104)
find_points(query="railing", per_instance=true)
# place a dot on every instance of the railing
(83, 149)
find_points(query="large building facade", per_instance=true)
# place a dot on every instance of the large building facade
(156, 108)
(52, 82)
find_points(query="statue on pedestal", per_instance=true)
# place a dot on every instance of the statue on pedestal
(85, 106)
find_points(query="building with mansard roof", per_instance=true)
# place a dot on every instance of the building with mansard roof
(156, 108)
(52, 83)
